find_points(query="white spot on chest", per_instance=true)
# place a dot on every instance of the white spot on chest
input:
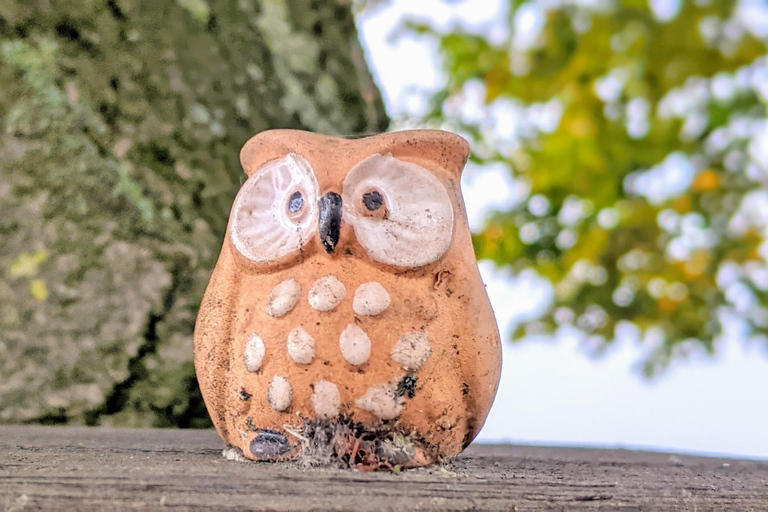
(254, 353)
(279, 393)
(382, 401)
(411, 351)
(301, 346)
(283, 298)
(370, 299)
(355, 345)
(326, 400)
(326, 293)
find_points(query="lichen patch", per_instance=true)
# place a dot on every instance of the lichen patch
(355, 345)
(411, 351)
(300, 346)
(279, 393)
(233, 453)
(283, 298)
(326, 293)
(326, 400)
(370, 299)
(254, 353)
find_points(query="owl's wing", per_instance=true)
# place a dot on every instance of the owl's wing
(213, 337)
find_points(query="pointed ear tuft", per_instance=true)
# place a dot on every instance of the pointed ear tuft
(266, 146)
(443, 149)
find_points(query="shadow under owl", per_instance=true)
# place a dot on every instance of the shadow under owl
(346, 321)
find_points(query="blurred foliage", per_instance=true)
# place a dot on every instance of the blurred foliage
(642, 143)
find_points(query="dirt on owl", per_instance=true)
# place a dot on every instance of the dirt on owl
(344, 444)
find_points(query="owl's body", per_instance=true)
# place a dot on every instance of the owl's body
(336, 322)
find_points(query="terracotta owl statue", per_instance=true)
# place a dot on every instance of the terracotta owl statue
(346, 318)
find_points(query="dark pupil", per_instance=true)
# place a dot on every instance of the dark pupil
(373, 200)
(295, 202)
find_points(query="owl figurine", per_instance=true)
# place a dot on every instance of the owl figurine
(346, 317)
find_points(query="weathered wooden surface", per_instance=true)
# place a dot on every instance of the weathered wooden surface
(66, 468)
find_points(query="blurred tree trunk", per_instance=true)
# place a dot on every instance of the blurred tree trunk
(121, 123)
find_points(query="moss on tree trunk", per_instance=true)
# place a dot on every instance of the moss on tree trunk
(120, 127)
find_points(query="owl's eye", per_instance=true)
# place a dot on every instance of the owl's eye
(374, 205)
(274, 214)
(295, 204)
(401, 213)
(373, 200)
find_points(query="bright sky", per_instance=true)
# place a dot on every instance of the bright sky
(552, 392)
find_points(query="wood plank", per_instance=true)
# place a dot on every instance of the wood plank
(78, 468)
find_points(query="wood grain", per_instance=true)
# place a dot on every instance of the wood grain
(74, 468)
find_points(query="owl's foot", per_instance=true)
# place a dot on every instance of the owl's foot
(270, 445)
(265, 446)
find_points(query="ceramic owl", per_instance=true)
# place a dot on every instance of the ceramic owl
(346, 317)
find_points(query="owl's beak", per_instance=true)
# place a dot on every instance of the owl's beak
(329, 220)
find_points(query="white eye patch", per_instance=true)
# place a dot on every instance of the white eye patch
(401, 213)
(275, 212)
